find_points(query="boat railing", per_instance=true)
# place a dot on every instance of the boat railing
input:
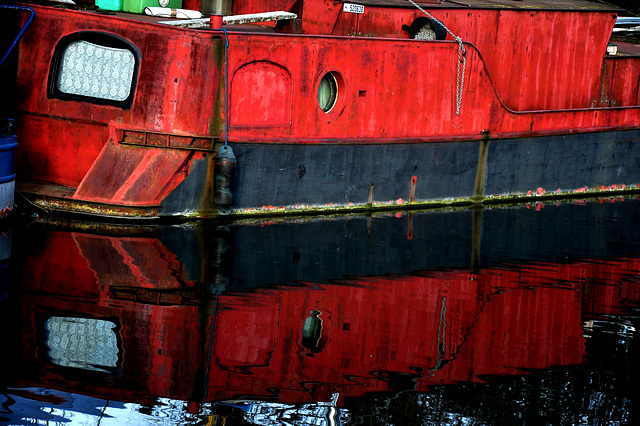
(32, 15)
(233, 19)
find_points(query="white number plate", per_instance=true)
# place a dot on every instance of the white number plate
(352, 8)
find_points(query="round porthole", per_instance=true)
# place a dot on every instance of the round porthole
(328, 92)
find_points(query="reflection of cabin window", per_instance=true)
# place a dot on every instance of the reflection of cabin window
(94, 67)
(85, 343)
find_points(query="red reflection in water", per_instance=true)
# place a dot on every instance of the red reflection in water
(298, 345)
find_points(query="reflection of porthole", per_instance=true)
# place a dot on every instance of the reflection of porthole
(328, 92)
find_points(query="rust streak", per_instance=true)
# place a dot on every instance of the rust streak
(482, 166)
(413, 187)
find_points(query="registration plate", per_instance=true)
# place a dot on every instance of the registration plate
(353, 8)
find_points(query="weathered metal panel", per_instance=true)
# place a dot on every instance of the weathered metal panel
(563, 163)
(620, 82)
(57, 150)
(177, 91)
(134, 176)
(395, 90)
(261, 91)
(393, 135)
(400, 91)
(540, 55)
(539, 59)
(194, 195)
(298, 176)
(174, 63)
(390, 90)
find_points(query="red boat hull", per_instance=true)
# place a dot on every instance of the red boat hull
(410, 123)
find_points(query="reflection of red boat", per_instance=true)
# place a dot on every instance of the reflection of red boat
(289, 344)
(342, 107)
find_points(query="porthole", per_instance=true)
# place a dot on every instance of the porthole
(328, 92)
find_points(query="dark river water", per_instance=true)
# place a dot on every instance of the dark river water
(506, 315)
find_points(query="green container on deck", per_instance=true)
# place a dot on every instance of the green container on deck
(137, 6)
(115, 5)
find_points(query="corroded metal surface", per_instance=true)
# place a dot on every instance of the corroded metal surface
(91, 209)
(392, 136)
(166, 140)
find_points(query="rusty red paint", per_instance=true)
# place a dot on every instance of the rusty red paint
(284, 62)
(79, 130)
(133, 175)
(165, 140)
(410, 89)
(404, 124)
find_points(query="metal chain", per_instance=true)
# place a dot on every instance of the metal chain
(462, 58)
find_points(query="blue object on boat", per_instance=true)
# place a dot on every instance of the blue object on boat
(8, 145)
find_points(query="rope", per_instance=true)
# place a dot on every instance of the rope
(210, 352)
(226, 87)
(462, 58)
(32, 204)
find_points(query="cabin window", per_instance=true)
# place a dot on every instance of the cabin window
(94, 67)
(328, 92)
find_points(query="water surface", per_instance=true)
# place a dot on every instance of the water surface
(518, 315)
